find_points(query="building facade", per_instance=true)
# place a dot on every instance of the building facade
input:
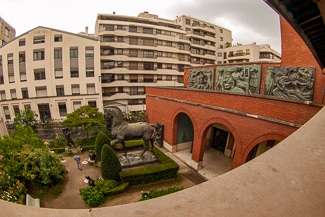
(7, 32)
(51, 72)
(247, 53)
(145, 51)
(239, 109)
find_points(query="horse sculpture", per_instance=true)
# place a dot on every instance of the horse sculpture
(121, 130)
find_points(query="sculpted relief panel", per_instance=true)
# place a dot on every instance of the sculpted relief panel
(290, 82)
(201, 78)
(239, 79)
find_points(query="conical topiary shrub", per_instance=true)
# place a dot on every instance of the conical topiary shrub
(101, 139)
(110, 164)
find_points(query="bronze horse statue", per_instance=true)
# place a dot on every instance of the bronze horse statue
(121, 130)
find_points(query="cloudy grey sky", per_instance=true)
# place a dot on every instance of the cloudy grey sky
(249, 20)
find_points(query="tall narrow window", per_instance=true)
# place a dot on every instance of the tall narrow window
(38, 55)
(62, 109)
(24, 93)
(74, 52)
(60, 90)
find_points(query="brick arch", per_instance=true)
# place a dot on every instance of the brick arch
(174, 118)
(216, 120)
(279, 136)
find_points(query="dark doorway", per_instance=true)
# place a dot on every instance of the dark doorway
(44, 112)
(219, 140)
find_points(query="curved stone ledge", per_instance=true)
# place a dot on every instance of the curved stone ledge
(287, 180)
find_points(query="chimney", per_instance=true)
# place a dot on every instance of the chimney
(113, 12)
(86, 29)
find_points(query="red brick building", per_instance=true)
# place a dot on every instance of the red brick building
(241, 124)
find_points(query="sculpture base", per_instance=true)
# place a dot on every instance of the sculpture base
(135, 159)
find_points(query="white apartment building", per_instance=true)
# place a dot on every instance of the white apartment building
(142, 51)
(247, 53)
(50, 71)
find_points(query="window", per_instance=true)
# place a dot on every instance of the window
(16, 109)
(148, 66)
(60, 90)
(132, 29)
(39, 39)
(159, 54)
(90, 73)
(119, 64)
(187, 29)
(108, 27)
(3, 95)
(181, 46)
(221, 38)
(158, 31)
(58, 73)
(1, 79)
(91, 89)
(39, 74)
(219, 54)
(133, 78)
(22, 57)
(57, 38)
(159, 65)
(168, 77)
(27, 106)
(75, 89)
(10, 58)
(22, 42)
(92, 104)
(169, 43)
(221, 30)
(133, 90)
(108, 65)
(6, 32)
(187, 21)
(119, 51)
(41, 91)
(24, 93)
(39, 55)
(0, 60)
(58, 53)
(148, 54)
(23, 76)
(74, 73)
(76, 104)
(119, 38)
(89, 51)
(108, 39)
(159, 77)
(13, 94)
(147, 30)
(119, 27)
(6, 112)
(74, 52)
(62, 109)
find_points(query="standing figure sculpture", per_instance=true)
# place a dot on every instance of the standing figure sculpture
(66, 133)
(121, 130)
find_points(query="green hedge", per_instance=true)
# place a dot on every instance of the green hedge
(167, 169)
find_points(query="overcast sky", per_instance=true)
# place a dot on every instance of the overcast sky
(249, 20)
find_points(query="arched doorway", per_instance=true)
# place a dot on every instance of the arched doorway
(261, 148)
(185, 132)
(221, 139)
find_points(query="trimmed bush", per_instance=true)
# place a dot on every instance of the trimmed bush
(110, 165)
(101, 139)
(167, 169)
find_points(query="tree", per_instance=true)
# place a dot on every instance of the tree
(110, 166)
(101, 139)
(86, 117)
(26, 118)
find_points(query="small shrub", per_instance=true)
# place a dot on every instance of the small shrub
(92, 196)
(153, 193)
